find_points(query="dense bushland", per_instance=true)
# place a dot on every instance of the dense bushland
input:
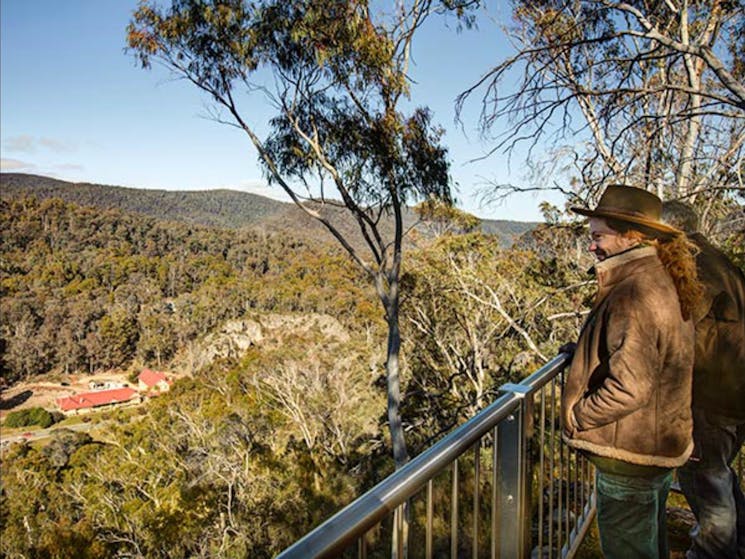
(85, 289)
(251, 450)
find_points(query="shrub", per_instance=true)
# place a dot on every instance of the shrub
(30, 416)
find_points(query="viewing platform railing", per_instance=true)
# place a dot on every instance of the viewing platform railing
(502, 485)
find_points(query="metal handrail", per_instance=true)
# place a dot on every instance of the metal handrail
(353, 521)
(542, 493)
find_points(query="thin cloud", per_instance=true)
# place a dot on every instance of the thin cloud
(16, 165)
(23, 144)
(29, 144)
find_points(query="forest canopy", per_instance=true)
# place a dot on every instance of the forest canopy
(84, 289)
(383, 329)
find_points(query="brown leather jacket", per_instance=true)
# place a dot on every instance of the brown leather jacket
(627, 393)
(719, 371)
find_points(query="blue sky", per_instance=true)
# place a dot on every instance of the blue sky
(74, 106)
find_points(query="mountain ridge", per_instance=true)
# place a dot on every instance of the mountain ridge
(225, 208)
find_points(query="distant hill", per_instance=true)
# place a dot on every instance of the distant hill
(216, 208)
(506, 229)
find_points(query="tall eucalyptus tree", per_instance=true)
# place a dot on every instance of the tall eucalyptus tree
(339, 137)
(648, 92)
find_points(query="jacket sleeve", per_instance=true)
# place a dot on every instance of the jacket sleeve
(631, 336)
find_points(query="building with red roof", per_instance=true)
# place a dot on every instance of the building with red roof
(86, 401)
(149, 380)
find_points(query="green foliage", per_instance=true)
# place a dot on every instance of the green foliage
(82, 290)
(443, 218)
(39, 519)
(731, 238)
(348, 69)
(255, 448)
(260, 449)
(30, 416)
(264, 446)
(341, 74)
(477, 316)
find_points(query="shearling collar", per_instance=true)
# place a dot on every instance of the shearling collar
(610, 267)
(612, 270)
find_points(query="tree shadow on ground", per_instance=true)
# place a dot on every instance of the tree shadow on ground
(16, 400)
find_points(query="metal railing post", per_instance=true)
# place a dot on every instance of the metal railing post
(514, 487)
(508, 424)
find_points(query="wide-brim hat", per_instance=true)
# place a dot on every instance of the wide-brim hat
(631, 205)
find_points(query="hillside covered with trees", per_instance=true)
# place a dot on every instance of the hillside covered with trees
(84, 289)
(222, 208)
(322, 344)
(263, 438)
(228, 209)
(285, 429)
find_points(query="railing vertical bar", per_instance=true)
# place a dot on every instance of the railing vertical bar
(454, 514)
(582, 480)
(476, 497)
(589, 487)
(571, 490)
(561, 488)
(577, 502)
(560, 496)
(430, 514)
(588, 480)
(541, 468)
(571, 472)
(577, 486)
(567, 496)
(362, 546)
(495, 481)
(567, 476)
(552, 456)
(585, 486)
(512, 478)
(400, 532)
(526, 471)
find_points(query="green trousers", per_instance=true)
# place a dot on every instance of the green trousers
(631, 515)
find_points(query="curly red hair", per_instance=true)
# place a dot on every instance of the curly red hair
(678, 256)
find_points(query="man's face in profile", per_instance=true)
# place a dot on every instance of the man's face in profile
(604, 241)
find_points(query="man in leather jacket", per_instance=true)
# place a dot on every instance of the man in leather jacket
(708, 480)
(626, 401)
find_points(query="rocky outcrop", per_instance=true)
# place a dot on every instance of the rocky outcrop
(235, 337)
